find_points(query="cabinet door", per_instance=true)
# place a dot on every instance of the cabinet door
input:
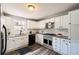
(56, 44)
(41, 24)
(63, 46)
(57, 22)
(9, 22)
(24, 41)
(65, 21)
(69, 46)
(39, 38)
(11, 44)
(17, 42)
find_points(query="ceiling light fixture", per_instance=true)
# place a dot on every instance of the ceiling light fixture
(31, 7)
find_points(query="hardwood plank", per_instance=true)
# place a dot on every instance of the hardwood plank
(36, 49)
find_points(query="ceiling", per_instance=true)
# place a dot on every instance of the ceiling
(41, 11)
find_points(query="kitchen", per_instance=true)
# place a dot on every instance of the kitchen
(39, 29)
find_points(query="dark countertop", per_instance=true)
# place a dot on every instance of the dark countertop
(54, 35)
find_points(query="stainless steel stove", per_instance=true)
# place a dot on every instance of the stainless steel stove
(47, 41)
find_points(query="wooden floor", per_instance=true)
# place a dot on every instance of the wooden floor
(36, 49)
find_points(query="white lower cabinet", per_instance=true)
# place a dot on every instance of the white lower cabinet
(16, 43)
(64, 46)
(10, 44)
(56, 44)
(39, 39)
(69, 47)
(22, 41)
(61, 45)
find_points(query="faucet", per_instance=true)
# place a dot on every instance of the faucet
(20, 32)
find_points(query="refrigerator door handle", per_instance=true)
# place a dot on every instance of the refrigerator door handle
(4, 41)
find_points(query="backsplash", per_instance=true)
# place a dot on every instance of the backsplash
(32, 31)
(51, 31)
(61, 31)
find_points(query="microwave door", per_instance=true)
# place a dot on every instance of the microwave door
(3, 40)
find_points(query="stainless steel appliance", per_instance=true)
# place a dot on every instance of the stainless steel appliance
(3, 40)
(49, 25)
(47, 41)
(31, 39)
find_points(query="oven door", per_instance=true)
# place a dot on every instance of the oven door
(50, 42)
(45, 41)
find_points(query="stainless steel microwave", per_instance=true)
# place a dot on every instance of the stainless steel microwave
(49, 25)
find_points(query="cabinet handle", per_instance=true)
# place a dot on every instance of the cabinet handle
(64, 40)
(69, 23)
(66, 43)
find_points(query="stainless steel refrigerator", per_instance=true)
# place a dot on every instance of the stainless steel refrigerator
(3, 40)
(3, 35)
(0, 28)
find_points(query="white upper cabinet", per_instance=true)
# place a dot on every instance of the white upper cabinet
(31, 24)
(9, 22)
(57, 22)
(39, 24)
(65, 21)
(74, 16)
(62, 21)
(42, 24)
